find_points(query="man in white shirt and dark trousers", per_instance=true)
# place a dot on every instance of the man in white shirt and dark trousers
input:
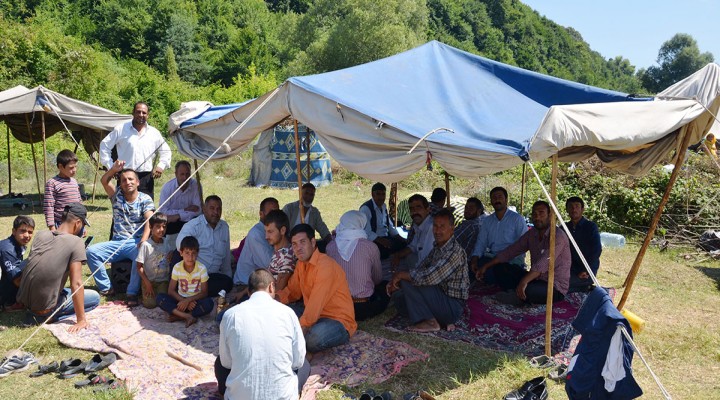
(252, 363)
(136, 143)
(380, 228)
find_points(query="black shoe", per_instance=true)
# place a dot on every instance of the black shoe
(45, 369)
(528, 388)
(99, 362)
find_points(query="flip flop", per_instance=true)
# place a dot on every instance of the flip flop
(99, 362)
(109, 385)
(559, 373)
(92, 379)
(69, 363)
(73, 371)
(542, 361)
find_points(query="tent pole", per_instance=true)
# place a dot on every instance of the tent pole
(392, 202)
(307, 143)
(197, 177)
(42, 119)
(8, 155)
(447, 189)
(299, 172)
(522, 188)
(32, 148)
(97, 170)
(551, 264)
(689, 129)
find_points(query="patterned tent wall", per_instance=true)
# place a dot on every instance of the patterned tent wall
(284, 163)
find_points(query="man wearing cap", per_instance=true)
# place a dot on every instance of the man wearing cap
(55, 256)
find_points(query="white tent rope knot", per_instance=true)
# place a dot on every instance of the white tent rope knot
(594, 278)
(142, 226)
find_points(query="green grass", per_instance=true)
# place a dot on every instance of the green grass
(678, 299)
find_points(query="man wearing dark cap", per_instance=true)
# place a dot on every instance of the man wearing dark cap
(55, 256)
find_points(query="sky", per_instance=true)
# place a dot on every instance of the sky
(636, 29)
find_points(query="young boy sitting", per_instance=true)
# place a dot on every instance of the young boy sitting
(61, 190)
(187, 293)
(12, 251)
(153, 261)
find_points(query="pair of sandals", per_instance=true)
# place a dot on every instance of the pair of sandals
(558, 371)
(73, 367)
(103, 383)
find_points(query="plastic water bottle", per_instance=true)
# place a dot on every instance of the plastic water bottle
(221, 301)
(612, 239)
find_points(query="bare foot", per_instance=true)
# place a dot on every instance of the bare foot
(190, 321)
(450, 327)
(430, 325)
(174, 318)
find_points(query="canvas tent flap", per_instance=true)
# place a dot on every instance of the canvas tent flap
(89, 123)
(370, 115)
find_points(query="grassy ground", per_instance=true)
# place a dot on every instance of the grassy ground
(678, 298)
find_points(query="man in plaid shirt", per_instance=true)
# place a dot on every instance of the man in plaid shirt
(434, 294)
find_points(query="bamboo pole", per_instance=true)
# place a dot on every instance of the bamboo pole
(522, 188)
(197, 177)
(32, 148)
(42, 119)
(299, 172)
(447, 189)
(680, 157)
(8, 156)
(551, 264)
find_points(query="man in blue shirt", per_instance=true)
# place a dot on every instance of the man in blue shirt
(498, 231)
(587, 237)
(12, 251)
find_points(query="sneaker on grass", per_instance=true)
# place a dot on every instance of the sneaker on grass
(19, 361)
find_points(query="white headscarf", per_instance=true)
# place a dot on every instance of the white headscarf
(349, 231)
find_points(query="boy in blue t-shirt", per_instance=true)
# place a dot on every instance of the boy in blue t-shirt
(12, 251)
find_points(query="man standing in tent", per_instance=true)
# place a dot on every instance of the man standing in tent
(137, 142)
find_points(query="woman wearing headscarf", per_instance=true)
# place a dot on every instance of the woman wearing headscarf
(360, 259)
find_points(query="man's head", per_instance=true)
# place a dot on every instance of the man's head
(473, 208)
(443, 226)
(129, 181)
(308, 193)
(378, 192)
(261, 279)
(158, 224)
(67, 163)
(140, 114)
(23, 229)
(182, 172)
(268, 204)
(212, 210)
(541, 215)
(75, 215)
(499, 199)
(575, 206)
(438, 197)
(302, 237)
(419, 208)
(277, 225)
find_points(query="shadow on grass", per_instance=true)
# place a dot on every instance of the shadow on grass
(712, 273)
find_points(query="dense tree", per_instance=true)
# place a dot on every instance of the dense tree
(677, 59)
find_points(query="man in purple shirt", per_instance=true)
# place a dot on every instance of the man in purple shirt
(531, 286)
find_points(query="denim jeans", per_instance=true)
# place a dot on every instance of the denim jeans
(91, 300)
(99, 254)
(168, 304)
(324, 334)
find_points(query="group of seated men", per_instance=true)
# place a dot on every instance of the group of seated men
(329, 290)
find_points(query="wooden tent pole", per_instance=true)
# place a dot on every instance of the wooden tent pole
(307, 143)
(522, 188)
(299, 172)
(447, 189)
(689, 129)
(42, 119)
(197, 177)
(392, 202)
(32, 148)
(97, 171)
(8, 156)
(551, 264)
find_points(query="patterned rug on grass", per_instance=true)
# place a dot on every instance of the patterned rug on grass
(143, 340)
(489, 324)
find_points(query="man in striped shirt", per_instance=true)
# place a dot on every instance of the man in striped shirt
(434, 294)
(61, 190)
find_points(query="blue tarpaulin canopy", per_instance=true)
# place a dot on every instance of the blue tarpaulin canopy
(486, 116)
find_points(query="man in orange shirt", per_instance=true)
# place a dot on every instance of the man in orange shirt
(327, 318)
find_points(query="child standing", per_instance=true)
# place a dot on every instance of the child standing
(153, 261)
(187, 293)
(61, 190)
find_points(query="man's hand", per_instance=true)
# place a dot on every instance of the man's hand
(157, 172)
(148, 291)
(520, 290)
(80, 325)
(480, 273)
(117, 166)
